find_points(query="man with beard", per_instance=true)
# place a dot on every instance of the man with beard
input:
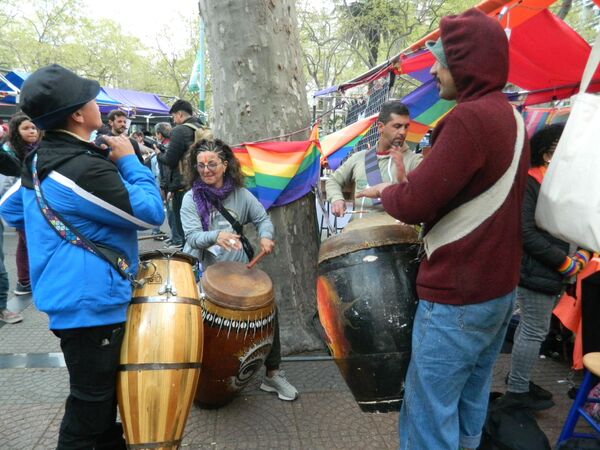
(468, 193)
(375, 165)
(117, 122)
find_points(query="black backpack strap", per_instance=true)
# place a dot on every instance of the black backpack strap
(238, 228)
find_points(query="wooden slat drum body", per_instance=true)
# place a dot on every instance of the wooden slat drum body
(162, 352)
(238, 313)
(366, 297)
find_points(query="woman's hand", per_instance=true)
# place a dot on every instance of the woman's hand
(267, 245)
(229, 241)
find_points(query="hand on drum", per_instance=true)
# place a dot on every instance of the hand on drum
(338, 208)
(267, 245)
(229, 241)
(373, 191)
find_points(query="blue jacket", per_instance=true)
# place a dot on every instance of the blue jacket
(107, 202)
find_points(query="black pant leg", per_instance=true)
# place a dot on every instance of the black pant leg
(274, 359)
(92, 358)
(177, 200)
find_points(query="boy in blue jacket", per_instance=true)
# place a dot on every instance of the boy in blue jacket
(107, 195)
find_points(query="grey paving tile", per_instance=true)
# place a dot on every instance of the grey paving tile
(327, 415)
(266, 444)
(22, 426)
(30, 336)
(255, 419)
(354, 442)
(33, 386)
(200, 428)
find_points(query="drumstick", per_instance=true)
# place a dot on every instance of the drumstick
(257, 258)
(358, 212)
(142, 238)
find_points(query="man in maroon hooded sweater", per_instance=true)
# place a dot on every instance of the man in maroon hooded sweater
(468, 194)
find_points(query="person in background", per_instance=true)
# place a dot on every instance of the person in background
(138, 136)
(6, 315)
(182, 136)
(117, 123)
(23, 135)
(214, 175)
(547, 266)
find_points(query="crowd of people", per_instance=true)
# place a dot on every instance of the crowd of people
(473, 195)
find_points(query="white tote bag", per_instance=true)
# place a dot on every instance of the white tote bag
(569, 203)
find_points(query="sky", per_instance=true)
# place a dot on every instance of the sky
(146, 19)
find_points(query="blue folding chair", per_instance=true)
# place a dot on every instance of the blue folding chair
(591, 362)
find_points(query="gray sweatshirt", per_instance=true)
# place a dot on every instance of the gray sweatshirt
(242, 205)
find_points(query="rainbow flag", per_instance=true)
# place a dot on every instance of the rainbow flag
(278, 173)
(538, 118)
(336, 146)
(426, 110)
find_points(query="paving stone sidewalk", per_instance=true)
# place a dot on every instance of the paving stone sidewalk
(325, 415)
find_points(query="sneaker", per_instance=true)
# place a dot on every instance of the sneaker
(10, 317)
(524, 400)
(173, 245)
(279, 384)
(539, 392)
(22, 288)
(535, 390)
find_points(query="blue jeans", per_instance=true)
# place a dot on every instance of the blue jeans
(447, 386)
(3, 273)
(536, 313)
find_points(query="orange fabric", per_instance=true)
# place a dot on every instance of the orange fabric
(568, 311)
(537, 173)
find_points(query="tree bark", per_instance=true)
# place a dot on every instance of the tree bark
(565, 7)
(259, 92)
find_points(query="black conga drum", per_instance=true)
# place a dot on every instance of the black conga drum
(366, 295)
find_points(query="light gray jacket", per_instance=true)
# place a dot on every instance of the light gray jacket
(242, 205)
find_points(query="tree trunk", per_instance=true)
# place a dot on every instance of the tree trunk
(259, 92)
(565, 7)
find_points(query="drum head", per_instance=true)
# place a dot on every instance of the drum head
(370, 220)
(232, 285)
(367, 235)
(168, 254)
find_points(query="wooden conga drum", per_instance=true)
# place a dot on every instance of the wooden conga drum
(161, 353)
(238, 312)
(366, 298)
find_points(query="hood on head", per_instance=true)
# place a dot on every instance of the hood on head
(476, 49)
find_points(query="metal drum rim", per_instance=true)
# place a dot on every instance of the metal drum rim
(168, 254)
(365, 238)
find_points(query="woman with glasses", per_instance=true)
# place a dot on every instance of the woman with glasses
(215, 178)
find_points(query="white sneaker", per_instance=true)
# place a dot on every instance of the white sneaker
(10, 317)
(279, 384)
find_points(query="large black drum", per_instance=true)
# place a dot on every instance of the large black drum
(366, 295)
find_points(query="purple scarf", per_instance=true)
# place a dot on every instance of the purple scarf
(205, 197)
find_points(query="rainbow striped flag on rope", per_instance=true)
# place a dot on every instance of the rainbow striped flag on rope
(278, 173)
(336, 146)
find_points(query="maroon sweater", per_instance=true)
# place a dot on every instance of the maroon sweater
(472, 148)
